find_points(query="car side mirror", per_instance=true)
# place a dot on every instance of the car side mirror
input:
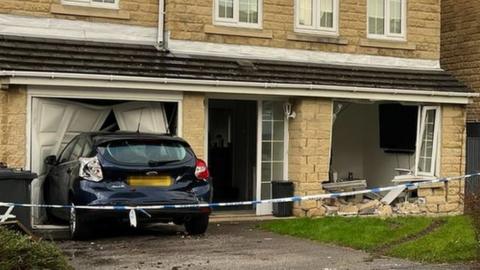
(51, 160)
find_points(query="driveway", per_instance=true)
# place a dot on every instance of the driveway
(226, 245)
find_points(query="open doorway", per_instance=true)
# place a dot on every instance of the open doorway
(232, 143)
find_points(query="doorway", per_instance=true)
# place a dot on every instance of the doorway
(232, 150)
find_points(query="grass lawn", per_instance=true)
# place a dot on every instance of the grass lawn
(454, 240)
(19, 252)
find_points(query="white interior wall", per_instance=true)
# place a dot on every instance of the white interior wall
(356, 147)
(347, 143)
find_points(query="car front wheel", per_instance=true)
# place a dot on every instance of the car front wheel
(78, 226)
(197, 225)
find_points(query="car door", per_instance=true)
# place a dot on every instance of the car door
(69, 170)
(55, 179)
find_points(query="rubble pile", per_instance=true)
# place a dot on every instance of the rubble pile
(342, 207)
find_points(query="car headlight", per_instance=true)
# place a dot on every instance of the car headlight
(90, 169)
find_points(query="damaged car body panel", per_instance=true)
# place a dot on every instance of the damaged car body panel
(128, 169)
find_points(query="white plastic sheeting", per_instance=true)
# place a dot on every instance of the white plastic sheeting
(142, 116)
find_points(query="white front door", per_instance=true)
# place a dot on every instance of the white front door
(271, 153)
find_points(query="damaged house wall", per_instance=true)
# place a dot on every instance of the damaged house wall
(309, 159)
(356, 147)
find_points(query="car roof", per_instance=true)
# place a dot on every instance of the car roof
(102, 137)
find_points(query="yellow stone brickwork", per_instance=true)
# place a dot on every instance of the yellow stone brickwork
(309, 150)
(460, 52)
(133, 12)
(187, 20)
(194, 121)
(13, 118)
(448, 198)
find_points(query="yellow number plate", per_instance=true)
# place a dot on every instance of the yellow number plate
(150, 181)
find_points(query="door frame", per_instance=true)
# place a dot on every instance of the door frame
(91, 93)
(260, 209)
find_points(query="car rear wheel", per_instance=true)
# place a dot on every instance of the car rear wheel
(197, 225)
(78, 225)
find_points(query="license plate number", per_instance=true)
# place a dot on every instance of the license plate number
(150, 181)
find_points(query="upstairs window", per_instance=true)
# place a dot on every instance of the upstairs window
(243, 13)
(387, 19)
(316, 16)
(93, 3)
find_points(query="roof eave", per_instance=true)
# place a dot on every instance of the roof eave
(231, 87)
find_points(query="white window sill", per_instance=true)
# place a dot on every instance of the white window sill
(237, 31)
(90, 11)
(88, 5)
(388, 44)
(255, 26)
(329, 39)
(319, 32)
(402, 179)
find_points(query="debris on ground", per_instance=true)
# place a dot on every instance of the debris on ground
(374, 207)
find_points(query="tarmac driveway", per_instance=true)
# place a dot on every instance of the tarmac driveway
(225, 246)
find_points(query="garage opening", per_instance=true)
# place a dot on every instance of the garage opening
(55, 122)
(382, 144)
(232, 142)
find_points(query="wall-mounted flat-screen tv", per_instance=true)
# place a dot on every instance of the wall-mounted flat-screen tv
(398, 128)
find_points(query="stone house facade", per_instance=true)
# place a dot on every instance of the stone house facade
(459, 56)
(302, 77)
(460, 47)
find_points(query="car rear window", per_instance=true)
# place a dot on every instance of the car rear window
(144, 153)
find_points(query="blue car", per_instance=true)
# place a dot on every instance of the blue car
(127, 169)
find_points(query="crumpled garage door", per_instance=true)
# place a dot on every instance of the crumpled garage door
(142, 116)
(55, 122)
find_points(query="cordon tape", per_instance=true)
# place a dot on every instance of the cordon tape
(144, 208)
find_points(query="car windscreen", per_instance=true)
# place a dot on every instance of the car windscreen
(144, 153)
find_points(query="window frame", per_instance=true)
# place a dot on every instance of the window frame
(316, 28)
(387, 35)
(235, 21)
(91, 3)
(436, 140)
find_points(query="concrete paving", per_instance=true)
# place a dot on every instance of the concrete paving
(227, 245)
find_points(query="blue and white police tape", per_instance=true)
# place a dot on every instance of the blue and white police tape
(413, 185)
(143, 209)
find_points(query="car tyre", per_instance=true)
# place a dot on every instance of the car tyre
(79, 229)
(197, 225)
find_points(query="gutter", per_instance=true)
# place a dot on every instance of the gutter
(218, 83)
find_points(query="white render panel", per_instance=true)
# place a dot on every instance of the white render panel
(295, 55)
(76, 30)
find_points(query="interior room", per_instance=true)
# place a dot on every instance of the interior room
(373, 142)
(232, 142)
